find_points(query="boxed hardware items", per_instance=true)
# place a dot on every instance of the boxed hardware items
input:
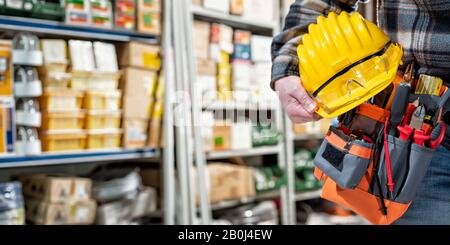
(207, 131)
(260, 48)
(140, 55)
(56, 99)
(201, 39)
(221, 39)
(259, 10)
(237, 7)
(45, 213)
(55, 120)
(221, 6)
(135, 133)
(11, 204)
(105, 57)
(222, 136)
(242, 49)
(154, 131)
(131, 110)
(102, 100)
(103, 119)
(7, 124)
(103, 138)
(228, 182)
(150, 5)
(6, 84)
(124, 14)
(138, 82)
(101, 13)
(81, 55)
(63, 140)
(241, 136)
(78, 12)
(56, 189)
(149, 21)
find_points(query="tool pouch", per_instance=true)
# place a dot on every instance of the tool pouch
(343, 159)
(409, 163)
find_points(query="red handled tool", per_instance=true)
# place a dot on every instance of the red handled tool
(405, 132)
(420, 137)
(437, 136)
(390, 179)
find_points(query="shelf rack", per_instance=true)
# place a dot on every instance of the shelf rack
(257, 151)
(61, 29)
(233, 203)
(47, 159)
(308, 195)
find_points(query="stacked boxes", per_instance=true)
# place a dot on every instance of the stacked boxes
(12, 211)
(149, 16)
(58, 200)
(124, 14)
(140, 63)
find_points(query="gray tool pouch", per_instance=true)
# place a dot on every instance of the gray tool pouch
(336, 162)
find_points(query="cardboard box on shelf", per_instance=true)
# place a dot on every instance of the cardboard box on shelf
(45, 213)
(202, 32)
(51, 189)
(237, 7)
(101, 13)
(138, 82)
(221, 6)
(56, 189)
(150, 5)
(207, 130)
(124, 14)
(260, 48)
(6, 78)
(135, 133)
(140, 55)
(241, 76)
(223, 36)
(206, 67)
(54, 51)
(197, 2)
(154, 132)
(241, 136)
(145, 202)
(149, 22)
(105, 57)
(222, 136)
(207, 84)
(7, 124)
(228, 182)
(136, 107)
(259, 10)
(81, 55)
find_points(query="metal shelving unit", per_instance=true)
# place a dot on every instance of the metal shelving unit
(61, 29)
(47, 159)
(308, 195)
(233, 203)
(45, 28)
(257, 151)
(188, 75)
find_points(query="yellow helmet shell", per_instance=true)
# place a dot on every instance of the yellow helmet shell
(345, 60)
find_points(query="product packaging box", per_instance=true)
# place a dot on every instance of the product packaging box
(220, 6)
(149, 22)
(260, 48)
(237, 7)
(101, 13)
(259, 10)
(241, 136)
(78, 12)
(105, 57)
(135, 133)
(136, 107)
(140, 55)
(7, 124)
(150, 5)
(207, 130)
(222, 35)
(206, 67)
(201, 39)
(124, 14)
(56, 189)
(6, 79)
(230, 182)
(154, 133)
(222, 136)
(45, 213)
(81, 55)
(152, 177)
(241, 75)
(138, 82)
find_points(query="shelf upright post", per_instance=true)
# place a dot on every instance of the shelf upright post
(181, 123)
(168, 152)
(200, 156)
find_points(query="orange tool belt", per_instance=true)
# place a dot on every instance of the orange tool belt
(355, 174)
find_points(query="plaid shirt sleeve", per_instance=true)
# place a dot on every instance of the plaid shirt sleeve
(301, 14)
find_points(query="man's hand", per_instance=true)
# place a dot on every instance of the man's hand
(295, 100)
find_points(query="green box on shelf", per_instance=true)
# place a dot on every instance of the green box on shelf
(264, 136)
(16, 7)
(48, 10)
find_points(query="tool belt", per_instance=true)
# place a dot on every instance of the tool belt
(373, 168)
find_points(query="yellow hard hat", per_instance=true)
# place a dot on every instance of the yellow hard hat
(345, 60)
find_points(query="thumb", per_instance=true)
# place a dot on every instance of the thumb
(304, 99)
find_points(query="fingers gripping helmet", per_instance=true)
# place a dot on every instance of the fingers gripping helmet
(345, 60)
